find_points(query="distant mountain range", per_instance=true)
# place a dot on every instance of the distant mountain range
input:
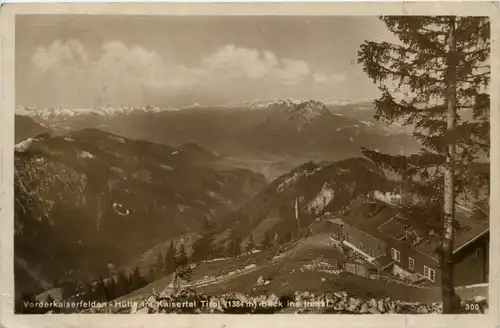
(91, 198)
(46, 113)
(276, 129)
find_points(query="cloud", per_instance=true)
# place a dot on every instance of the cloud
(237, 62)
(59, 54)
(322, 77)
(140, 66)
(338, 77)
(121, 73)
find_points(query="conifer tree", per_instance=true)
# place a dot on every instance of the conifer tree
(236, 246)
(103, 291)
(122, 285)
(112, 287)
(50, 300)
(90, 292)
(182, 259)
(159, 266)
(228, 248)
(203, 247)
(250, 246)
(287, 237)
(136, 280)
(169, 263)
(266, 241)
(151, 275)
(436, 76)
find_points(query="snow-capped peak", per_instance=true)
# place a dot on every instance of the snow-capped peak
(307, 108)
(300, 113)
(264, 104)
(335, 101)
(280, 103)
(45, 113)
(25, 144)
(194, 105)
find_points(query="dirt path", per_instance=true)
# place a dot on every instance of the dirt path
(278, 256)
(226, 277)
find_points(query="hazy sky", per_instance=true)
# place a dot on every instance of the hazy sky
(81, 61)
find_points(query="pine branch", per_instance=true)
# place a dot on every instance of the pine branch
(409, 31)
(379, 72)
(429, 31)
(478, 77)
(385, 61)
(477, 51)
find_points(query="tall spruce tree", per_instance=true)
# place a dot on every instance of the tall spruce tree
(250, 245)
(102, 290)
(112, 287)
(266, 241)
(122, 285)
(151, 275)
(136, 280)
(169, 263)
(160, 269)
(236, 246)
(203, 247)
(182, 259)
(49, 301)
(432, 80)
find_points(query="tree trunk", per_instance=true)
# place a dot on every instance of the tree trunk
(447, 285)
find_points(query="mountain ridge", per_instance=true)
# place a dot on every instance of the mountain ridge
(79, 195)
(25, 127)
(114, 110)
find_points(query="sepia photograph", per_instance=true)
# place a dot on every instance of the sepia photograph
(251, 164)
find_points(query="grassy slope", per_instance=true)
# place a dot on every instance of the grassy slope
(286, 277)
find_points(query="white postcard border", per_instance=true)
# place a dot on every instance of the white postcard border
(7, 105)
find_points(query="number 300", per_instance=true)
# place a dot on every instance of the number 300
(472, 307)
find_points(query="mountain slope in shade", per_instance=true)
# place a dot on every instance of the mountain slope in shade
(201, 155)
(262, 129)
(92, 198)
(25, 127)
(319, 189)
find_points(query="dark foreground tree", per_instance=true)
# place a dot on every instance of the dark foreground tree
(136, 279)
(250, 245)
(266, 241)
(181, 259)
(236, 246)
(203, 247)
(122, 286)
(169, 262)
(160, 266)
(151, 275)
(436, 81)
